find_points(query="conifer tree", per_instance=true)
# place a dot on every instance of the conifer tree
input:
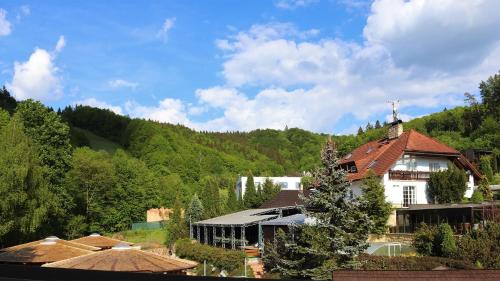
(232, 202)
(377, 125)
(269, 190)
(176, 227)
(210, 197)
(373, 203)
(360, 131)
(339, 230)
(195, 210)
(251, 197)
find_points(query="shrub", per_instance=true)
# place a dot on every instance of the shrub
(423, 240)
(481, 247)
(368, 262)
(477, 196)
(220, 258)
(444, 241)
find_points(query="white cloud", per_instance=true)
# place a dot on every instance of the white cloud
(100, 104)
(167, 25)
(169, 111)
(293, 4)
(25, 10)
(120, 83)
(314, 83)
(443, 34)
(38, 78)
(5, 26)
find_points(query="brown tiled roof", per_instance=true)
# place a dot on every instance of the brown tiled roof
(380, 155)
(61, 241)
(97, 240)
(284, 198)
(451, 275)
(126, 259)
(41, 252)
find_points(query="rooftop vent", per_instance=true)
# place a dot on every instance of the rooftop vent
(45, 242)
(51, 238)
(122, 246)
(95, 235)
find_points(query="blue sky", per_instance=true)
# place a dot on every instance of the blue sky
(327, 66)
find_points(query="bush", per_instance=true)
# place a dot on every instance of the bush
(220, 258)
(368, 262)
(477, 196)
(444, 241)
(481, 247)
(423, 240)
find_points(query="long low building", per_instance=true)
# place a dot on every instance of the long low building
(238, 229)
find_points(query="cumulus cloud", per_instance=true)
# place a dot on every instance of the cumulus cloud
(5, 26)
(167, 25)
(411, 51)
(120, 83)
(38, 77)
(100, 104)
(293, 4)
(168, 111)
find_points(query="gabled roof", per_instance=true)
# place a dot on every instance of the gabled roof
(241, 218)
(380, 155)
(285, 198)
(52, 238)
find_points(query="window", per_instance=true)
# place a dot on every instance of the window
(410, 162)
(434, 167)
(283, 184)
(353, 169)
(297, 185)
(408, 195)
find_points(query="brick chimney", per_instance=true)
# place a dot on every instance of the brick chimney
(395, 129)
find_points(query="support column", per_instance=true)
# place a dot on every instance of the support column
(233, 238)
(190, 230)
(205, 234)
(243, 237)
(261, 242)
(198, 234)
(223, 237)
(214, 234)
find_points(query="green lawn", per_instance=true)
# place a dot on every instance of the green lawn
(150, 236)
(99, 143)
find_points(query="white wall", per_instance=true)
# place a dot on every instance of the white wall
(289, 183)
(394, 188)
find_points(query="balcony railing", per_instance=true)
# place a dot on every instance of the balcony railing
(409, 175)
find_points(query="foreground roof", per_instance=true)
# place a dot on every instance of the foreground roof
(246, 217)
(97, 240)
(124, 258)
(44, 251)
(53, 238)
(382, 275)
(380, 155)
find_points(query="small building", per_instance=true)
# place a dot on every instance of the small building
(270, 227)
(126, 259)
(50, 249)
(286, 183)
(158, 214)
(103, 242)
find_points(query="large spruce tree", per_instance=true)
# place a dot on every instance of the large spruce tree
(195, 210)
(338, 230)
(251, 198)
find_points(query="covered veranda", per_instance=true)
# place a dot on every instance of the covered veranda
(234, 230)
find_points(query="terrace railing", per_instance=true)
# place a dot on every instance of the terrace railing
(409, 175)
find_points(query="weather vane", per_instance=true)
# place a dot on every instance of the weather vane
(394, 104)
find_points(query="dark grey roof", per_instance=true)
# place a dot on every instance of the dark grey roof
(246, 217)
(293, 219)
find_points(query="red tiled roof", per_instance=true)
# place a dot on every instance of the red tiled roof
(380, 155)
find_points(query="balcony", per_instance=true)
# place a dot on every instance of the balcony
(409, 175)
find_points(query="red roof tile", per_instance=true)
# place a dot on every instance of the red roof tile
(380, 155)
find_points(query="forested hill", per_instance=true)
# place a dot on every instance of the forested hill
(149, 164)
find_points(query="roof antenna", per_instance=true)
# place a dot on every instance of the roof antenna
(395, 113)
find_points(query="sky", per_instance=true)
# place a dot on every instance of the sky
(223, 65)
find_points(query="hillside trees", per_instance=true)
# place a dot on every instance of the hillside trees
(210, 197)
(26, 199)
(176, 225)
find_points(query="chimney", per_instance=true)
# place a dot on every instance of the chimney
(395, 129)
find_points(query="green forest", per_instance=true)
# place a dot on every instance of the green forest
(80, 169)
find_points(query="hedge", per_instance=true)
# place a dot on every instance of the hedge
(220, 258)
(369, 262)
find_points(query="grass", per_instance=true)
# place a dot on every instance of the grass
(99, 143)
(150, 236)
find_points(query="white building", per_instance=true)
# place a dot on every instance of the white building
(404, 162)
(287, 183)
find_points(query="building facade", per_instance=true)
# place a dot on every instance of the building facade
(286, 183)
